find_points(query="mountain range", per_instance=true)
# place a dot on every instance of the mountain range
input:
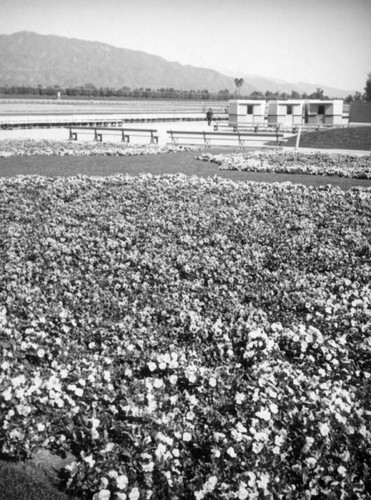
(30, 59)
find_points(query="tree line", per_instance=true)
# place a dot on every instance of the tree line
(90, 91)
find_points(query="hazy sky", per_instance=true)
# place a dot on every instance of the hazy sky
(316, 41)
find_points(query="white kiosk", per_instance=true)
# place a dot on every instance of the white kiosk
(319, 112)
(246, 113)
(285, 113)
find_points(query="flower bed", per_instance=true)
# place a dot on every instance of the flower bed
(355, 166)
(30, 147)
(187, 337)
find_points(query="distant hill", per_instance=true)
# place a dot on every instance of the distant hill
(28, 58)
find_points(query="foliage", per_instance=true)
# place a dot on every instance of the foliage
(238, 82)
(31, 147)
(90, 91)
(357, 97)
(188, 338)
(368, 88)
(288, 162)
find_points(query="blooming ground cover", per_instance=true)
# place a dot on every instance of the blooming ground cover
(45, 147)
(291, 162)
(188, 338)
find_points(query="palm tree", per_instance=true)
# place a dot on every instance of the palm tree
(238, 82)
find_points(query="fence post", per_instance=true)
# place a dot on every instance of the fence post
(298, 139)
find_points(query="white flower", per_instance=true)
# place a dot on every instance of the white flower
(160, 450)
(152, 366)
(152, 405)
(242, 493)
(308, 444)
(199, 495)
(210, 484)
(252, 479)
(16, 434)
(102, 495)
(89, 460)
(187, 436)
(263, 481)
(148, 467)
(241, 428)
(7, 394)
(79, 392)
(342, 470)
(158, 382)
(257, 447)
(240, 398)
(120, 496)
(166, 439)
(95, 422)
(20, 380)
(166, 357)
(212, 382)
(324, 429)
(173, 379)
(103, 483)
(231, 452)
(264, 414)
(112, 473)
(134, 494)
(122, 482)
(273, 408)
(40, 427)
(311, 462)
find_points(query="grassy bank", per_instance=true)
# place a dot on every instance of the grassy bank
(357, 138)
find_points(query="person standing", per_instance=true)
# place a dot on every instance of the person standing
(209, 116)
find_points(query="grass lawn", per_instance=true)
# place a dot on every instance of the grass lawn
(20, 481)
(357, 138)
(185, 163)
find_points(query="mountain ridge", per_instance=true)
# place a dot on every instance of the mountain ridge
(28, 58)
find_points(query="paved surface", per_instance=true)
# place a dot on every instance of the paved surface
(62, 134)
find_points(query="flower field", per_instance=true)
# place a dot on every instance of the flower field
(188, 338)
(288, 162)
(30, 147)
